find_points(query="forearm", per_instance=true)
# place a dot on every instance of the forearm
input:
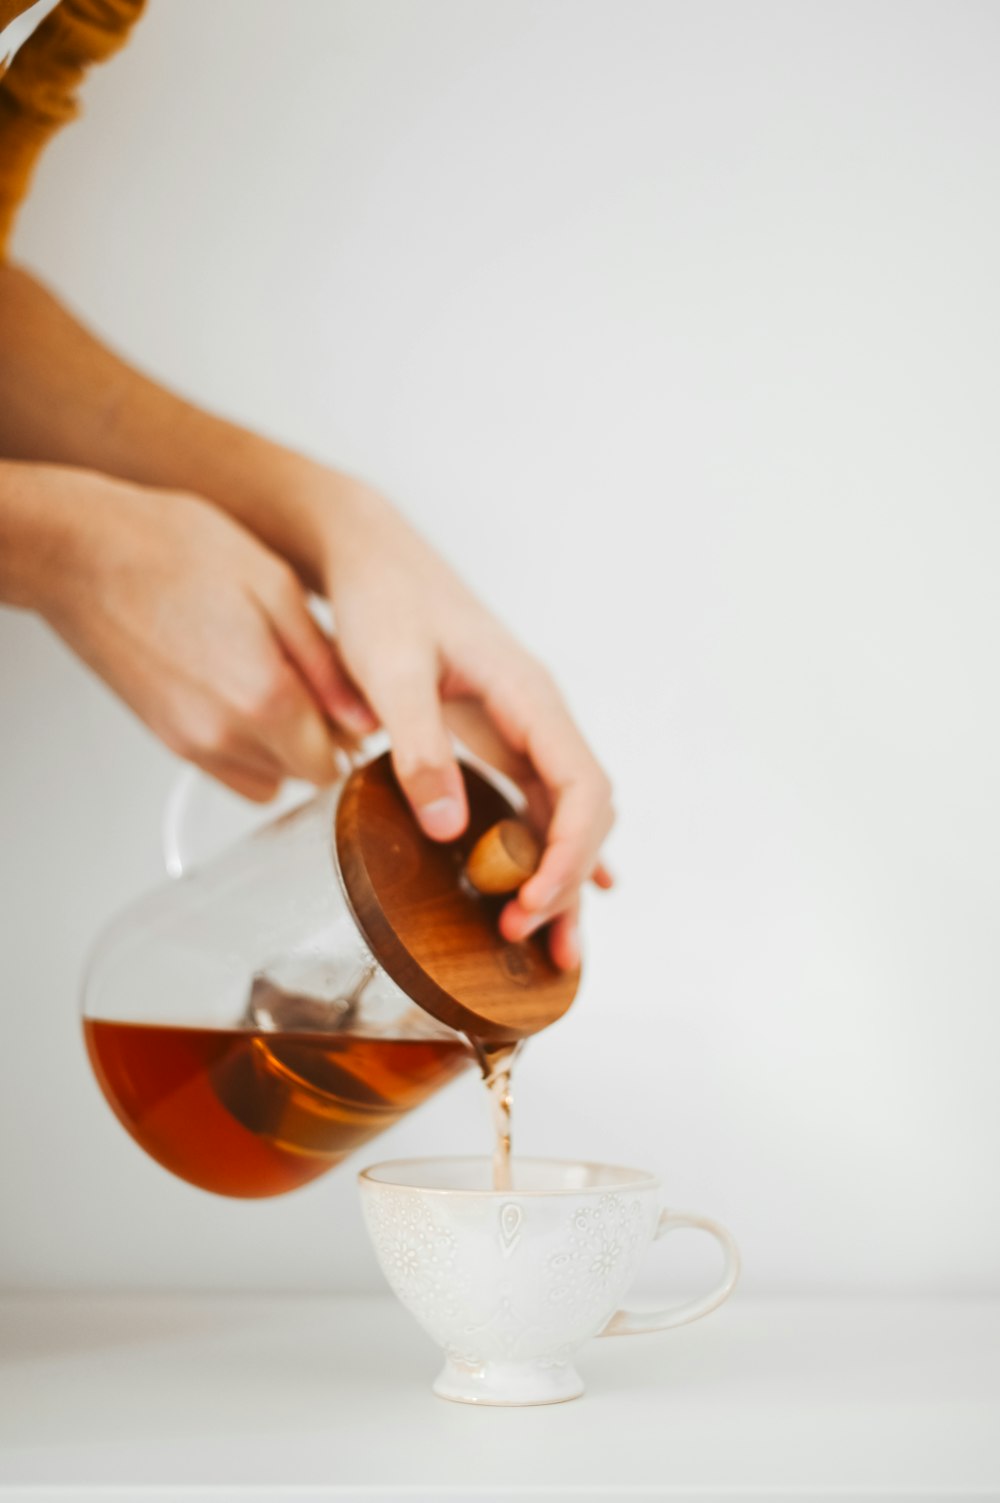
(33, 532)
(65, 398)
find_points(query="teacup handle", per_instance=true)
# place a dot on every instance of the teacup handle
(634, 1323)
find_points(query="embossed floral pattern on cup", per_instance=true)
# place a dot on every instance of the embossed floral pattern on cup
(511, 1283)
(603, 1241)
(416, 1249)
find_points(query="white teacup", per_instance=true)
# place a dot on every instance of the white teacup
(512, 1282)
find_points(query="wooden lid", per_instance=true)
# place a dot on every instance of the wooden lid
(427, 926)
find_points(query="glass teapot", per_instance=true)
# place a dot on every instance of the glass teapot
(254, 1021)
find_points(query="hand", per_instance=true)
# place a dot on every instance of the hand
(206, 635)
(427, 655)
(199, 628)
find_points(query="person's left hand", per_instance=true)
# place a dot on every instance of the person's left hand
(428, 656)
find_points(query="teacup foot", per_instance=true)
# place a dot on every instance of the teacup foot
(508, 1383)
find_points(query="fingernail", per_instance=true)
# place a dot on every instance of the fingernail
(442, 819)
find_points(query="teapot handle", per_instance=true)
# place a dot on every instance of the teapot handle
(504, 857)
(197, 801)
(175, 821)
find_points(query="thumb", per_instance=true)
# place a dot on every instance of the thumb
(406, 700)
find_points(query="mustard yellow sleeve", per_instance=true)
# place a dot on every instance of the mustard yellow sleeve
(10, 9)
(38, 93)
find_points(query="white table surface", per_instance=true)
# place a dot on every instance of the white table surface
(314, 1398)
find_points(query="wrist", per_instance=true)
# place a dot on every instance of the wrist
(58, 528)
(297, 507)
(36, 527)
(336, 517)
(328, 519)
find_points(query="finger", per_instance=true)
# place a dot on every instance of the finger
(404, 694)
(242, 777)
(581, 819)
(527, 709)
(551, 891)
(467, 719)
(534, 718)
(538, 812)
(564, 939)
(344, 701)
(289, 725)
(317, 659)
(579, 825)
(566, 863)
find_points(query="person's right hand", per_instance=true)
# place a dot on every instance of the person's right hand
(199, 628)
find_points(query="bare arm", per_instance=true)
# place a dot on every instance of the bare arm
(65, 398)
(423, 652)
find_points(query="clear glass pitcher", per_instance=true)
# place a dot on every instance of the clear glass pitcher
(256, 1019)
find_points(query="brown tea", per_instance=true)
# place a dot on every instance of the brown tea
(243, 1112)
(497, 1064)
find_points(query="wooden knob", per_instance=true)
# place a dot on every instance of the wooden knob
(507, 855)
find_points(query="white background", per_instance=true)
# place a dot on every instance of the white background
(675, 326)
